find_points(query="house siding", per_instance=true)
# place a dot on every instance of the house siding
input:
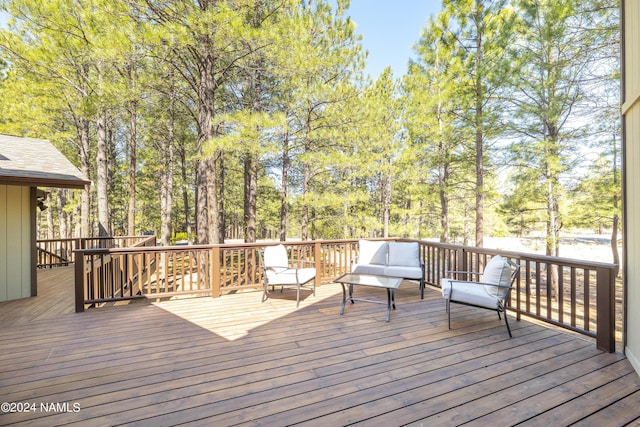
(631, 131)
(15, 242)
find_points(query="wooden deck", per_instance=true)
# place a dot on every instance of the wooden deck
(237, 361)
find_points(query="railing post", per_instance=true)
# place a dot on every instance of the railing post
(215, 271)
(79, 280)
(317, 258)
(78, 245)
(606, 299)
(461, 264)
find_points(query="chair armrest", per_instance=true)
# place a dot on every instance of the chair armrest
(481, 283)
(302, 262)
(507, 292)
(274, 267)
(451, 272)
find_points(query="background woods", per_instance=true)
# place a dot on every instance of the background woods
(252, 119)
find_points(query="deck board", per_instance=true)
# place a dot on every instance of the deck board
(236, 361)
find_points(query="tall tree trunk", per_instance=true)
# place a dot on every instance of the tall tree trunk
(304, 223)
(444, 209)
(215, 198)
(49, 212)
(479, 122)
(104, 228)
(131, 211)
(202, 211)
(553, 220)
(251, 160)
(465, 225)
(61, 202)
(614, 242)
(443, 169)
(386, 204)
(306, 181)
(82, 126)
(250, 197)
(207, 217)
(185, 193)
(283, 191)
(616, 219)
(166, 188)
(553, 212)
(219, 220)
(345, 225)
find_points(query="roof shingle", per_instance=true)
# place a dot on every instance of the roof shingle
(36, 162)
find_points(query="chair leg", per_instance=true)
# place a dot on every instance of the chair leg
(506, 322)
(298, 296)
(449, 312)
(264, 293)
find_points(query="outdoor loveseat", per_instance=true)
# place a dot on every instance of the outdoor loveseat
(392, 259)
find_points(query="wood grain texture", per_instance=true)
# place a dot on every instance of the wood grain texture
(236, 361)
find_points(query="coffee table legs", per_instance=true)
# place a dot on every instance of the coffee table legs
(391, 299)
(391, 302)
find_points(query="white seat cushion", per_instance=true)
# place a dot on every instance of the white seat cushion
(291, 276)
(404, 272)
(374, 269)
(470, 293)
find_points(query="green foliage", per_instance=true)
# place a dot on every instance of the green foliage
(498, 110)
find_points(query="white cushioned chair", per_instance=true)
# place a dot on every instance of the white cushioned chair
(278, 272)
(492, 291)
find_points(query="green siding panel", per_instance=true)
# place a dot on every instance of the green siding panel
(15, 249)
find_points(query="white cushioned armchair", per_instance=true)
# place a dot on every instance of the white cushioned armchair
(277, 271)
(491, 292)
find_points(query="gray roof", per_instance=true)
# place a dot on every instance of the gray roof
(36, 163)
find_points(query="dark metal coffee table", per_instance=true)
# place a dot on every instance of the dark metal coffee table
(388, 283)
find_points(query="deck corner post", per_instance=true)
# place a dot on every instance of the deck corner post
(79, 280)
(606, 300)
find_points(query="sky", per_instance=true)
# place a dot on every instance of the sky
(389, 29)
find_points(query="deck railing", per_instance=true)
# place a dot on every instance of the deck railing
(58, 252)
(573, 294)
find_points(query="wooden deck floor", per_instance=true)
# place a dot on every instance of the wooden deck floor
(237, 361)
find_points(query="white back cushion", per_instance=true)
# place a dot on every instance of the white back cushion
(276, 256)
(372, 252)
(406, 254)
(497, 271)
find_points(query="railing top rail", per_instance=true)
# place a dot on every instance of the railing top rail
(211, 246)
(525, 256)
(143, 240)
(95, 238)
